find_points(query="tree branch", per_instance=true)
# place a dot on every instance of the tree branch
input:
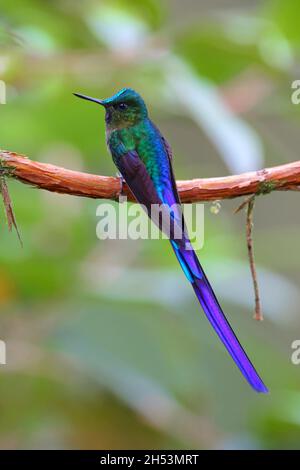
(60, 180)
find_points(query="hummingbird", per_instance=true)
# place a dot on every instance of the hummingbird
(144, 159)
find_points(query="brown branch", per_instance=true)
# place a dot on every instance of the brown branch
(61, 180)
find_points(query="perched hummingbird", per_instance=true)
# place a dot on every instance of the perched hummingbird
(144, 159)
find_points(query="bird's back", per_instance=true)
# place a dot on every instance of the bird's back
(146, 140)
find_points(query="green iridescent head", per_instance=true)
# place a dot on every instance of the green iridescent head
(124, 109)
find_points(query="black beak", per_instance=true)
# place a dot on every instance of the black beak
(89, 98)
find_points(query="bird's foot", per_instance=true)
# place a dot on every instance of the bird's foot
(122, 182)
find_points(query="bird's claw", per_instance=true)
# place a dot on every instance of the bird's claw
(122, 182)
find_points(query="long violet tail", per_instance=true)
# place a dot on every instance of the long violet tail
(194, 272)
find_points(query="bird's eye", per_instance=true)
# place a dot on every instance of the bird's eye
(122, 106)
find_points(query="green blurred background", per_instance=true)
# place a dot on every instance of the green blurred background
(106, 345)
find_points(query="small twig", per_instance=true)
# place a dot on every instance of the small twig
(244, 203)
(10, 216)
(249, 226)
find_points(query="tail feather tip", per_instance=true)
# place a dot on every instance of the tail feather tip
(260, 387)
